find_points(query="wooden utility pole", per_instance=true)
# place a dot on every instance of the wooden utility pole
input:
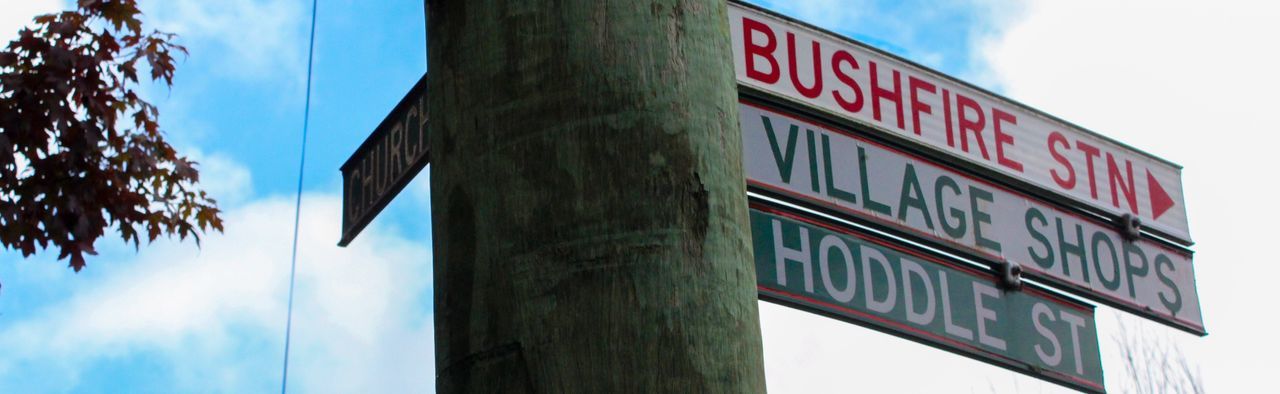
(589, 209)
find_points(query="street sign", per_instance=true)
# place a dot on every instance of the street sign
(921, 107)
(385, 163)
(830, 167)
(829, 270)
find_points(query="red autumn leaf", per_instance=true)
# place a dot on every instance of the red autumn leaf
(64, 86)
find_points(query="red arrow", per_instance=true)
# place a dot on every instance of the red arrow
(1160, 200)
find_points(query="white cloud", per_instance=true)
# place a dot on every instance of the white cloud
(255, 39)
(808, 353)
(18, 14)
(830, 13)
(1194, 82)
(910, 29)
(215, 316)
(225, 179)
(861, 17)
(262, 39)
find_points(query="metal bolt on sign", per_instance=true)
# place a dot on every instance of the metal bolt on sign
(1011, 276)
(1130, 227)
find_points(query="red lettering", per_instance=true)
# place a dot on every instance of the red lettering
(918, 107)
(753, 50)
(1069, 182)
(816, 89)
(946, 110)
(1118, 185)
(1000, 117)
(1090, 152)
(878, 93)
(968, 124)
(837, 59)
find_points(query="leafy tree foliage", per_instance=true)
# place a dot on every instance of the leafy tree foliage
(80, 151)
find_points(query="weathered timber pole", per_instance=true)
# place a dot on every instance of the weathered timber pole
(589, 210)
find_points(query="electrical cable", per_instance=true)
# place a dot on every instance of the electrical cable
(297, 212)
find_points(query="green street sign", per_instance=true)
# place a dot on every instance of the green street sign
(385, 163)
(818, 267)
(813, 163)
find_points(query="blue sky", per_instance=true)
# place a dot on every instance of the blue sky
(176, 318)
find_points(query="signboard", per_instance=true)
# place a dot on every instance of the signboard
(825, 269)
(386, 162)
(826, 166)
(907, 102)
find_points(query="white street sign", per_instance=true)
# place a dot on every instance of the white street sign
(907, 102)
(824, 165)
